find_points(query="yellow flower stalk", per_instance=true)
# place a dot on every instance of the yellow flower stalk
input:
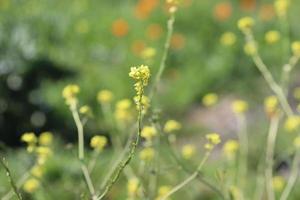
(105, 96)
(69, 94)
(210, 99)
(171, 126)
(271, 104)
(98, 142)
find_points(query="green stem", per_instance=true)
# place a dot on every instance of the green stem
(11, 181)
(162, 66)
(269, 156)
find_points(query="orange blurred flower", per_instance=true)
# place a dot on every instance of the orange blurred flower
(266, 12)
(154, 31)
(119, 28)
(144, 8)
(223, 11)
(177, 41)
(138, 46)
(248, 4)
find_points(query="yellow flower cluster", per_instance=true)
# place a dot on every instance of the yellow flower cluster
(105, 96)
(292, 123)
(171, 126)
(69, 94)
(210, 99)
(188, 151)
(245, 24)
(296, 48)
(98, 142)
(145, 102)
(281, 7)
(271, 105)
(86, 111)
(30, 139)
(148, 132)
(228, 39)
(162, 191)
(123, 111)
(230, 148)
(212, 140)
(132, 187)
(239, 106)
(272, 37)
(147, 154)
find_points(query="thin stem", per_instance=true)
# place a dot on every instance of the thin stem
(89, 182)
(19, 183)
(115, 176)
(10, 179)
(162, 66)
(286, 70)
(189, 179)
(273, 129)
(292, 178)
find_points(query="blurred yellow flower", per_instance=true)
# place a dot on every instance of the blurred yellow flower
(278, 183)
(188, 151)
(31, 185)
(69, 93)
(145, 102)
(85, 110)
(245, 24)
(29, 138)
(250, 48)
(228, 39)
(230, 148)
(45, 138)
(272, 37)
(147, 154)
(281, 7)
(148, 53)
(162, 191)
(239, 106)
(37, 171)
(296, 142)
(296, 48)
(104, 96)
(132, 187)
(292, 123)
(271, 104)
(98, 142)
(171, 126)
(213, 138)
(148, 132)
(210, 99)
(123, 104)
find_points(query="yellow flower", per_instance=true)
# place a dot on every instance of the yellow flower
(210, 99)
(145, 102)
(37, 171)
(43, 151)
(278, 183)
(98, 142)
(85, 110)
(228, 39)
(104, 96)
(230, 148)
(271, 104)
(281, 7)
(171, 126)
(70, 92)
(147, 154)
(141, 73)
(162, 191)
(188, 151)
(250, 48)
(213, 140)
(296, 142)
(122, 112)
(132, 187)
(148, 53)
(148, 132)
(272, 37)
(45, 138)
(123, 104)
(29, 138)
(31, 185)
(292, 123)
(296, 48)
(245, 24)
(239, 106)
